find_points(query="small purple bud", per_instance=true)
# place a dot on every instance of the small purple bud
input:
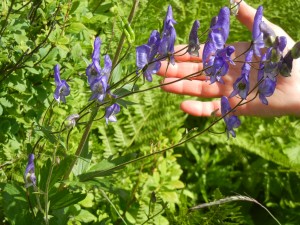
(29, 175)
(194, 44)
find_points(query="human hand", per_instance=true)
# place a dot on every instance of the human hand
(284, 101)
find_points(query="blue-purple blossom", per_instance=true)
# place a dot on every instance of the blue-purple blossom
(274, 58)
(194, 44)
(268, 34)
(94, 69)
(62, 88)
(215, 55)
(241, 85)
(97, 76)
(29, 175)
(166, 47)
(99, 88)
(145, 56)
(217, 66)
(107, 66)
(266, 86)
(219, 29)
(231, 121)
(257, 34)
(110, 113)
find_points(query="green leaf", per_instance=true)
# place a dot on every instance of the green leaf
(83, 161)
(75, 5)
(116, 74)
(13, 197)
(5, 102)
(86, 217)
(64, 198)
(75, 28)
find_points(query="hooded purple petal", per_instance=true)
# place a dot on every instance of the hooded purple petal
(110, 113)
(62, 88)
(257, 35)
(29, 175)
(107, 66)
(194, 44)
(220, 30)
(241, 86)
(142, 54)
(231, 121)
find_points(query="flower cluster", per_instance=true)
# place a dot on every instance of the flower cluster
(148, 56)
(272, 63)
(98, 81)
(215, 55)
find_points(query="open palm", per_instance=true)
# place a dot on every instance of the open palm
(284, 101)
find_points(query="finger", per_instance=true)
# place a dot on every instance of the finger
(180, 70)
(194, 88)
(197, 108)
(183, 56)
(246, 14)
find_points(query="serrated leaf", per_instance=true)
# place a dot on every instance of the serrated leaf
(5, 102)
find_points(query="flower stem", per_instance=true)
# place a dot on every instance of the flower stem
(82, 142)
(122, 39)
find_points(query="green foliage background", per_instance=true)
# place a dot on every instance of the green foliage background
(262, 162)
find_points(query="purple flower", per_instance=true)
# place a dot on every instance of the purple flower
(99, 88)
(241, 85)
(257, 34)
(62, 88)
(29, 175)
(110, 113)
(268, 34)
(107, 66)
(166, 47)
(217, 66)
(94, 69)
(145, 56)
(220, 28)
(194, 44)
(231, 121)
(266, 88)
(215, 56)
(97, 77)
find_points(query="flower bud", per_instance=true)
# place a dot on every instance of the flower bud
(296, 50)
(287, 64)
(70, 122)
(234, 7)
(268, 34)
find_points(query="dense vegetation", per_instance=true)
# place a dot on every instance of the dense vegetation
(262, 162)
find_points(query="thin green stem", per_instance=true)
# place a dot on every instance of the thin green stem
(122, 39)
(82, 142)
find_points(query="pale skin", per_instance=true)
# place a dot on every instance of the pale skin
(284, 101)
